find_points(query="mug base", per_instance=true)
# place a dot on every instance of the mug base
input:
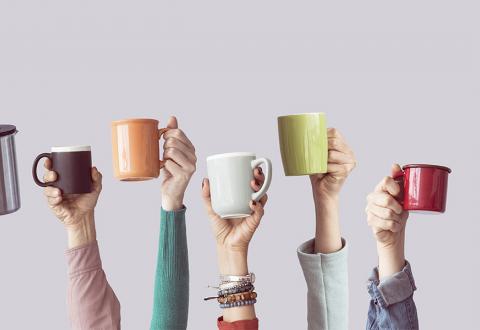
(140, 178)
(235, 215)
(304, 173)
(10, 211)
(426, 212)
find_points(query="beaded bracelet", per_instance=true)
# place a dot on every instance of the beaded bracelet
(237, 289)
(239, 303)
(245, 296)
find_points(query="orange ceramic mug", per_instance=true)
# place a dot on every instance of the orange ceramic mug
(135, 146)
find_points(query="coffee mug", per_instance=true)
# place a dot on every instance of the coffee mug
(73, 166)
(230, 176)
(303, 143)
(135, 146)
(423, 187)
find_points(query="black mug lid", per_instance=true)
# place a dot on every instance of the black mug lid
(7, 130)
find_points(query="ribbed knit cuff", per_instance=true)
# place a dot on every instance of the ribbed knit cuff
(83, 259)
(173, 243)
(238, 325)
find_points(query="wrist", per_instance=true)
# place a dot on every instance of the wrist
(232, 262)
(172, 203)
(82, 232)
(391, 258)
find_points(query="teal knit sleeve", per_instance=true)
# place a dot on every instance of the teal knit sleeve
(170, 298)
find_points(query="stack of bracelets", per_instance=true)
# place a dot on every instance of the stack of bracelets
(236, 291)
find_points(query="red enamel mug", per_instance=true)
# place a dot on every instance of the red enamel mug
(424, 187)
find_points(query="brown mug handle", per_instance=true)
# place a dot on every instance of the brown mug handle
(34, 169)
(162, 131)
(400, 179)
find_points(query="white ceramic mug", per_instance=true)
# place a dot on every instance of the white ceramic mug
(230, 176)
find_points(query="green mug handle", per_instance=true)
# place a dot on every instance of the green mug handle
(268, 177)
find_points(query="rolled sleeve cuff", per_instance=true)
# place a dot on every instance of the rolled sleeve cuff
(393, 289)
(83, 259)
(308, 257)
(238, 325)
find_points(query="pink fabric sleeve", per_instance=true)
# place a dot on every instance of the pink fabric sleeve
(238, 325)
(92, 304)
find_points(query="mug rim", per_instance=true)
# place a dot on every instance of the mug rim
(232, 154)
(440, 167)
(303, 114)
(76, 148)
(134, 120)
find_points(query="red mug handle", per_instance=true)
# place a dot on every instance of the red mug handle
(34, 169)
(400, 179)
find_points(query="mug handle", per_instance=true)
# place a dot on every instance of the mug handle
(400, 179)
(162, 131)
(34, 169)
(268, 177)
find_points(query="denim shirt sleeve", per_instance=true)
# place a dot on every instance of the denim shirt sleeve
(391, 304)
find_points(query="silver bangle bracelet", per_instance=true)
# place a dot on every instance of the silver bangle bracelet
(249, 278)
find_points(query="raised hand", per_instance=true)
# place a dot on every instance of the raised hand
(235, 234)
(341, 161)
(387, 219)
(180, 165)
(75, 211)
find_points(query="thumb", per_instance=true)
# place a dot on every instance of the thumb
(207, 200)
(172, 122)
(396, 169)
(97, 179)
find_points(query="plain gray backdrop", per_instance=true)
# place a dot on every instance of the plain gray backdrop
(399, 79)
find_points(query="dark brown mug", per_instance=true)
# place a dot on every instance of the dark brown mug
(73, 166)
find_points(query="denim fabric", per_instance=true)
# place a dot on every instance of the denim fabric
(391, 305)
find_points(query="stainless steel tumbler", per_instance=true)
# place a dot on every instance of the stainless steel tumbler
(9, 191)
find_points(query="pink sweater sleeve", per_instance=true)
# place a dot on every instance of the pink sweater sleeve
(92, 304)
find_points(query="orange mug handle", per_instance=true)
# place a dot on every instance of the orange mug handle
(162, 131)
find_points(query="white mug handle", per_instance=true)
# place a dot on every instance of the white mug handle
(268, 177)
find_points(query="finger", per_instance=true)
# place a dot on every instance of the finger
(173, 168)
(47, 164)
(340, 170)
(175, 143)
(383, 213)
(258, 175)
(263, 200)
(332, 132)
(385, 200)
(180, 135)
(207, 200)
(253, 221)
(172, 122)
(396, 170)
(389, 225)
(50, 176)
(388, 185)
(97, 179)
(52, 192)
(181, 159)
(337, 157)
(54, 201)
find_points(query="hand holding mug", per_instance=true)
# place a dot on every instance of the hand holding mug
(341, 161)
(387, 218)
(235, 234)
(75, 211)
(180, 164)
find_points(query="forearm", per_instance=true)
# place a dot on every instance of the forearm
(235, 263)
(327, 230)
(391, 259)
(82, 232)
(171, 293)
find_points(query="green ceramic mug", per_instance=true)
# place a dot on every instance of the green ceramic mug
(303, 143)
